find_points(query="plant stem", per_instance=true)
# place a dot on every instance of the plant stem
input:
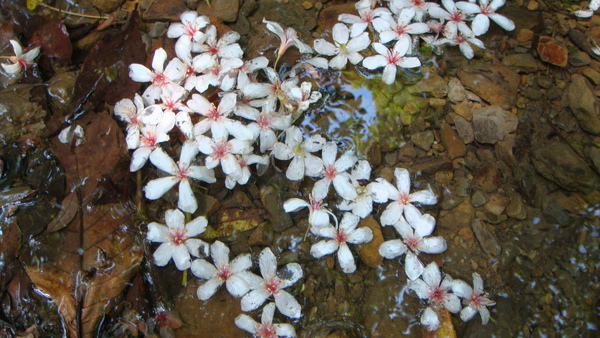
(69, 12)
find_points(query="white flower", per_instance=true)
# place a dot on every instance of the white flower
(303, 96)
(188, 31)
(402, 199)
(161, 77)
(216, 74)
(299, 151)
(414, 240)
(344, 49)
(335, 171)
(463, 42)
(180, 173)
(20, 62)
(272, 285)
(486, 11)
(225, 47)
(232, 274)
(421, 7)
(437, 294)
(217, 118)
(176, 239)
(475, 300)
(401, 28)
(366, 192)
(289, 38)
(358, 24)
(265, 126)
(318, 214)
(346, 232)
(592, 7)
(150, 136)
(221, 151)
(245, 161)
(266, 328)
(131, 112)
(277, 91)
(391, 60)
(455, 17)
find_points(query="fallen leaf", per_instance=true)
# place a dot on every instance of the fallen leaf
(55, 43)
(232, 220)
(68, 210)
(86, 266)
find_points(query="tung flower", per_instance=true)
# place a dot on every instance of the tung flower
(289, 38)
(221, 151)
(176, 239)
(232, 274)
(266, 328)
(484, 12)
(161, 77)
(318, 213)
(299, 151)
(271, 284)
(475, 300)
(391, 60)
(366, 192)
(20, 62)
(335, 172)
(344, 48)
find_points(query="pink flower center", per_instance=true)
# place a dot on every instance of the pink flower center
(178, 235)
(413, 244)
(25, 63)
(213, 49)
(160, 79)
(190, 28)
(460, 39)
(224, 272)
(273, 286)
(457, 16)
(393, 58)
(182, 171)
(214, 113)
(487, 10)
(315, 204)
(401, 30)
(330, 172)
(341, 236)
(264, 122)
(220, 148)
(418, 3)
(149, 139)
(266, 331)
(437, 295)
(189, 70)
(404, 198)
(367, 16)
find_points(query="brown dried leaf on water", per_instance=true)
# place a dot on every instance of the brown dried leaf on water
(87, 265)
(55, 43)
(232, 220)
(99, 157)
(104, 76)
(68, 210)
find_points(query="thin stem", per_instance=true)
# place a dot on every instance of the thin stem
(69, 12)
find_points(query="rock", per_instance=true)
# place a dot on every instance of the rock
(432, 84)
(525, 62)
(552, 52)
(454, 144)
(307, 5)
(559, 163)
(532, 5)
(456, 91)
(459, 217)
(516, 207)
(262, 235)
(226, 10)
(369, 252)
(496, 204)
(20, 115)
(60, 89)
(592, 75)
(489, 177)
(525, 36)
(580, 59)
(492, 123)
(496, 84)
(164, 10)
(554, 212)
(464, 129)
(463, 183)
(594, 155)
(478, 199)
(485, 237)
(423, 140)
(107, 6)
(464, 109)
(581, 99)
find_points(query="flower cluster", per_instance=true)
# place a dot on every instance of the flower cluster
(400, 27)
(231, 114)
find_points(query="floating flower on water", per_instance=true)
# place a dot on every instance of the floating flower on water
(391, 60)
(221, 151)
(455, 17)
(437, 294)
(484, 12)
(335, 172)
(20, 62)
(216, 119)
(344, 49)
(176, 239)
(414, 241)
(346, 232)
(400, 29)
(266, 328)
(150, 136)
(245, 161)
(592, 7)
(318, 213)
(181, 172)
(463, 43)
(475, 300)
(161, 77)
(366, 15)
(303, 96)
(366, 192)
(225, 47)
(299, 151)
(272, 285)
(403, 199)
(289, 38)
(232, 274)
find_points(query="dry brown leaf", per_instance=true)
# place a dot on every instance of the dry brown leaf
(231, 220)
(68, 210)
(85, 281)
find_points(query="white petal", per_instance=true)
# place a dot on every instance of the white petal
(340, 33)
(430, 319)
(346, 259)
(157, 233)
(412, 266)
(461, 289)
(360, 235)
(285, 330)
(325, 48)
(163, 254)
(197, 247)
(237, 286)
(314, 165)
(158, 187)
(290, 274)
(431, 274)
(359, 43)
(253, 299)
(219, 253)
(391, 214)
(467, 313)
(158, 61)
(502, 21)
(288, 305)
(374, 62)
(344, 187)
(203, 269)
(433, 245)
(389, 74)
(485, 315)
(452, 303)
(323, 248)
(267, 263)
(392, 249)
(295, 170)
(187, 201)
(409, 62)
(208, 289)
(139, 73)
(294, 204)
(202, 173)
(425, 225)
(420, 288)
(480, 24)
(321, 189)
(181, 257)
(246, 323)
(196, 226)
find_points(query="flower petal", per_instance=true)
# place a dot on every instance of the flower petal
(288, 305)
(203, 269)
(253, 300)
(246, 323)
(412, 266)
(392, 248)
(346, 259)
(208, 289)
(267, 263)
(323, 248)
(155, 189)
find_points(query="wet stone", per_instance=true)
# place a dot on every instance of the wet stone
(533, 93)
(485, 237)
(581, 99)
(580, 59)
(423, 140)
(459, 217)
(524, 62)
(496, 84)
(464, 129)
(492, 123)
(552, 51)
(60, 89)
(164, 10)
(464, 109)
(554, 212)
(226, 10)
(478, 199)
(516, 207)
(456, 91)
(559, 163)
(592, 75)
(489, 177)
(449, 200)
(453, 143)
(369, 252)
